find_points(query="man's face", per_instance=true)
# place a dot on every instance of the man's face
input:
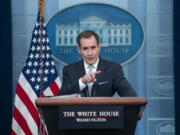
(89, 50)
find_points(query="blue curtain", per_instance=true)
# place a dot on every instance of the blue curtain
(5, 68)
(176, 64)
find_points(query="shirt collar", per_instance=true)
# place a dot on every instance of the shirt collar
(94, 65)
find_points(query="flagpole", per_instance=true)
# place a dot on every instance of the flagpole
(41, 14)
(41, 7)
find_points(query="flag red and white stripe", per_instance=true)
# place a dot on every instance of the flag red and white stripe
(26, 118)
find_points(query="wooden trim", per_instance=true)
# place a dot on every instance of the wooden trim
(91, 101)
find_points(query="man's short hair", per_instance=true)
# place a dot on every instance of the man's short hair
(87, 34)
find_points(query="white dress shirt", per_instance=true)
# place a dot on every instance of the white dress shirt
(81, 84)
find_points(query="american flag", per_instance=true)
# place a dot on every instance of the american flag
(38, 78)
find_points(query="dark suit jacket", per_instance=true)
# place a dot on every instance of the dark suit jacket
(110, 80)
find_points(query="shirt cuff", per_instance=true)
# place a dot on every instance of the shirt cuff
(81, 85)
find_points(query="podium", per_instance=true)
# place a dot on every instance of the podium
(91, 115)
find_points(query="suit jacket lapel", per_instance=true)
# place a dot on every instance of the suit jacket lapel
(81, 68)
(101, 67)
(81, 72)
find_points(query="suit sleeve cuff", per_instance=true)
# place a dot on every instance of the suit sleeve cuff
(81, 85)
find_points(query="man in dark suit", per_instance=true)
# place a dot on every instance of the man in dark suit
(94, 76)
